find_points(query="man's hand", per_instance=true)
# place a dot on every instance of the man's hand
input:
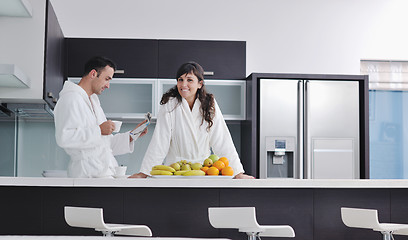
(107, 127)
(243, 176)
(138, 175)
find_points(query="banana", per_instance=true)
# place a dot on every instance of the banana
(164, 167)
(180, 172)
(194, 173)
(160, 172)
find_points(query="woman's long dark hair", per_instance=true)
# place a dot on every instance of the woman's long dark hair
(206, 98)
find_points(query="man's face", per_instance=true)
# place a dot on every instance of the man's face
(101, 82)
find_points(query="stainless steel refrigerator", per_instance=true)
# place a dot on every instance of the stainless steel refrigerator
(309, 129)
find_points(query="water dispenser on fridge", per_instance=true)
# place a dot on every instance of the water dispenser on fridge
(280, 153)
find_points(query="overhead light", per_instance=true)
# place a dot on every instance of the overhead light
(15, 8)
(12, 76)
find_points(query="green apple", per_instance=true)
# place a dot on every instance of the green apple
(208, 162)
(214, 157)
(176, 166)
(196, 166)
(185, 167)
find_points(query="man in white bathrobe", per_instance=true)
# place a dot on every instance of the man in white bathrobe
(81, 127)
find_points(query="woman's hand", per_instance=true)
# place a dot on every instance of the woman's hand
(243, 176)
(139, 175)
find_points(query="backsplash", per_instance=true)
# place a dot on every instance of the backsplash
(7, 130)
(37, 149)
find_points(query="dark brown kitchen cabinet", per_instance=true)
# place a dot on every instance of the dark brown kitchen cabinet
(220, 59)
(149, 58)
(53, 60)
(138, 58)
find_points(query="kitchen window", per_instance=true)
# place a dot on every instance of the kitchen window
(388, 118)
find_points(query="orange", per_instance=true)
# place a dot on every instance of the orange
(224, 160)
(219, 164)
(227, 171)
(204, 169)
(213, 171)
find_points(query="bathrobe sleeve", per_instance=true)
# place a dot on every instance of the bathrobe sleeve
(120, 143)
(160, 143)
(221, 141)
(72, 129)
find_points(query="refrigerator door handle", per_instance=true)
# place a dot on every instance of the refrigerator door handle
(306, 156)
(299, 168)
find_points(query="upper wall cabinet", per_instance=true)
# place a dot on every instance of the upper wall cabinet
(135, 58)
(220, 59)
(54, 52)
(229, 94)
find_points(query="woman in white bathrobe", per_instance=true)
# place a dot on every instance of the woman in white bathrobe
(189, 124)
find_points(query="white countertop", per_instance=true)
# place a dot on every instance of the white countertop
(203, 183)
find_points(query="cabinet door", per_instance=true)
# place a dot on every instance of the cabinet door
(128, 98)
(54, 67)
(136, 57)
(220, 59)
(229, 94)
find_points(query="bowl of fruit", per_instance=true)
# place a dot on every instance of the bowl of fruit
(211, 167)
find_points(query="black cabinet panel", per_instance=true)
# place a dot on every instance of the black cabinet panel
(314, 214)
(54, 200)
(171, 212)
(227, 59)
(54, 58)
(137, 57)
(21, 210)
(399, 208)
(292, 207)
(327, 216)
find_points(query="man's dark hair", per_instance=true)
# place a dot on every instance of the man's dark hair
(98, 63)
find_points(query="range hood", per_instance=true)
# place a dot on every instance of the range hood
(12, 76)
(15, 8)
(31, 111)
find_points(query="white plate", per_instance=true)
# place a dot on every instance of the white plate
(194, 177)
(121, 176)
(166, 176)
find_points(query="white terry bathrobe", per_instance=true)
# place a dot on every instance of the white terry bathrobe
(179, 135)
(77, 118)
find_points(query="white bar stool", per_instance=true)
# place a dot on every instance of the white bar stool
(368, 218)
(244, 219)
(93, 218)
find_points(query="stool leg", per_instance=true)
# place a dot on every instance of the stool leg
(387, 235)
(252, 235)
(108, 233)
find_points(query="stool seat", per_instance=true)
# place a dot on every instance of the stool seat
(244, 219)
(368, 219)
(93, 218)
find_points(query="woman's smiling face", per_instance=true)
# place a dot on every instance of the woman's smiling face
(187, 85)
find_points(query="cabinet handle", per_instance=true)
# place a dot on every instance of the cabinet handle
(50, 95)
(209, 73)
(54, 100)
(120, 71)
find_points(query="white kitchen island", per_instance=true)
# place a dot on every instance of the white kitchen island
(203, 182)
(178, 207)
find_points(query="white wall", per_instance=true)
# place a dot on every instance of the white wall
(22, 43)
(296, 36)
